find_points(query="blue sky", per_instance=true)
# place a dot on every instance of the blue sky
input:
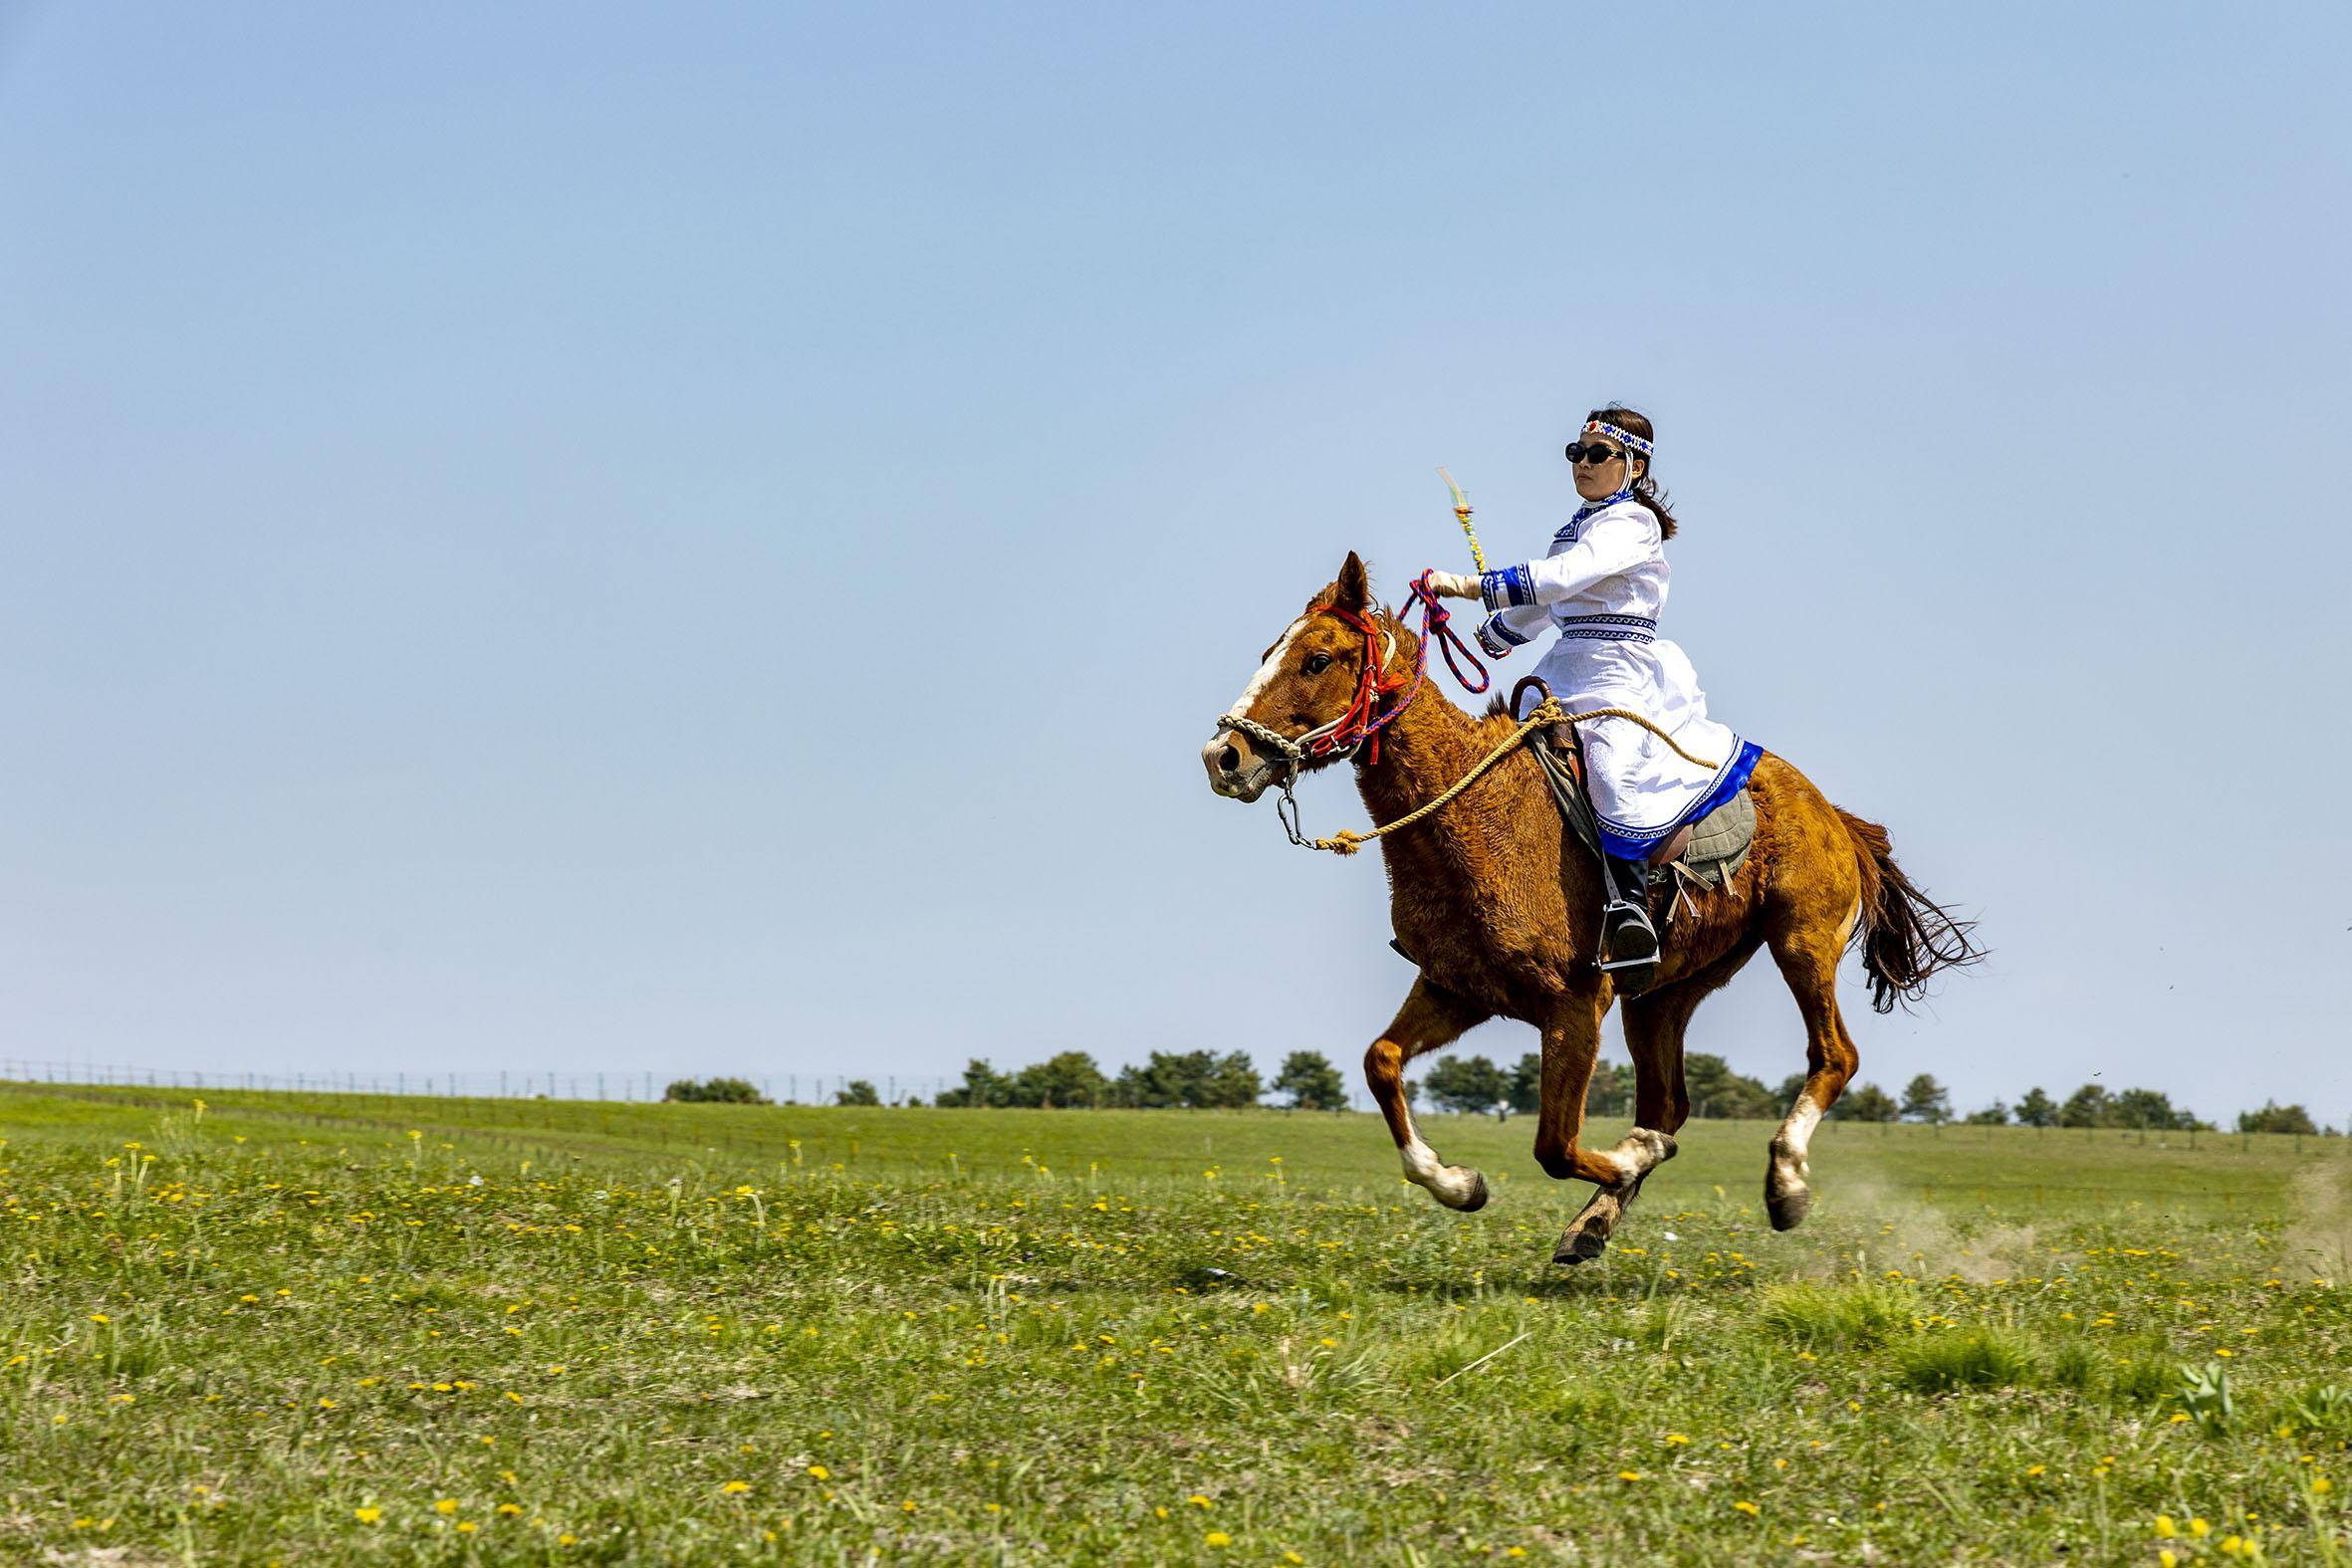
(708, 539)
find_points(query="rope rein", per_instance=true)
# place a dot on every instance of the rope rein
(1359, 724)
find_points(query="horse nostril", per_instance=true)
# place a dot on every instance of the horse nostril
(1229, 760)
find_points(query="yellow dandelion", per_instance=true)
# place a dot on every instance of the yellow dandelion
(467, 1526)
(1747, 1507)
(369, 1515)
(567, 1540)
(820, 1472)
(1218, 1538)
(735, 1487)
(2164, 1527)
(1629, 1476)
(445, 1505)
(1197, 1501)
(2168, 1558)
(510, 1510)
(2199, 1530)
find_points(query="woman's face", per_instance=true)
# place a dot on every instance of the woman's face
(1607, 476)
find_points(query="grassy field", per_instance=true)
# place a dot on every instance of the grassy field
(291, 1329)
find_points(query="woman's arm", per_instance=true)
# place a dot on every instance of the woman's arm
(1613, 544)
(1512, 628)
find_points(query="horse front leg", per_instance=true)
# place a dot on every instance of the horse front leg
(1428, 1019)
(1571, 1042)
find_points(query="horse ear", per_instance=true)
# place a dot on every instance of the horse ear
(1356, 585)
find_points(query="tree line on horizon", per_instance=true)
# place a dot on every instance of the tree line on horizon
(1476, 1085)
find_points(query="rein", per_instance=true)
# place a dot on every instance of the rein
(1361, 723)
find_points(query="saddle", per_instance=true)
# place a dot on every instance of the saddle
(1707, 854)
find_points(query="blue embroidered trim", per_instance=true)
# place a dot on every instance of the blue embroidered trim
(1627, 842)
(1508, 589)
(1645, 622)
(1495, 636)
(1574, 528)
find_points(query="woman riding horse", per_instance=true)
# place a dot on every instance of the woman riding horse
(1604, 586)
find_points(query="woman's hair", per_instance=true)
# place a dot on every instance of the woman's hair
(1647, 491)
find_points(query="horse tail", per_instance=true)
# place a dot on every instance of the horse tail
(1904, 935)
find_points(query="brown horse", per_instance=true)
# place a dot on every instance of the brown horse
(1500, 911)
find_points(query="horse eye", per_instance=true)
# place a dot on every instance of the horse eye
(1317, 663)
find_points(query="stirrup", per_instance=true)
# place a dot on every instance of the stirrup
(1618, 918)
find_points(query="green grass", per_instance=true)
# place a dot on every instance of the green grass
(704, 1334)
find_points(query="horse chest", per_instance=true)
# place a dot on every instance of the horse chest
(1479, 951)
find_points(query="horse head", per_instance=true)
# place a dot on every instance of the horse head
(1313, 693)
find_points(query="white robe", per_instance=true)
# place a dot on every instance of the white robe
(1602, 587)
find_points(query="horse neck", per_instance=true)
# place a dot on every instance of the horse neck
(1423, 750)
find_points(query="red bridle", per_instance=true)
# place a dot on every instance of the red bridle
(1361, 723)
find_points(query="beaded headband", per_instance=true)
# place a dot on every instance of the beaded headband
(1622, 437)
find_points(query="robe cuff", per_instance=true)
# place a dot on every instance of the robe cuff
(1495, 636)
(1508, 588)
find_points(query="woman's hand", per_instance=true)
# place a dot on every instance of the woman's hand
(1454, 585)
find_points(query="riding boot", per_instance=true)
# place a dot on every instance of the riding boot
(1628, 942)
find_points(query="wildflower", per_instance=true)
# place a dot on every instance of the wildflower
(2199, 1530)
(2321, 1483)
(2164, 1527)
(445, 1505)
(510, 1510)
(1747, 1507)
(820, 1472)
(100, 1317)
(735, 1487)
(1197, 1501)
(567, 1540)
(2168, 1558)
(1218, 1538)
(369, 1515)
(1629, 1476)
(467, 1526)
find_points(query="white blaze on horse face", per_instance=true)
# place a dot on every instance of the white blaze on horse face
(1266, 672)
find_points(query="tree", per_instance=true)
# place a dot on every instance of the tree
(715, 1091)
(984, 1087)
(1070, 1078)
(2085, 1107)
(2276, 1118)
(1610, 1093)
(2149, 1109)
(1468, 1084)
(2038, 1109)
(1311, 1083)
(1194, 1078)
(1527, 1084)
(1925, 1100)
(860, 1091)
(1715, 1091)
(1867, 1102)
(1994, 1115)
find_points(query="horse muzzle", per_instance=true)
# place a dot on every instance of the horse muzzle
(1236, 768)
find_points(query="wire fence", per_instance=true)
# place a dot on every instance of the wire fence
(788, 1088)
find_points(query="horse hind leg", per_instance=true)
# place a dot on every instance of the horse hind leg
(1809, 962)
(1426, 1021)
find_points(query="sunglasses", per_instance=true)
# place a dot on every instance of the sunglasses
(1593, 452)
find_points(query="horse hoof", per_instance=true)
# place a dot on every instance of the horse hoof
(1581, 1246)
(1667, 1147)
(1788, 1209)
(1478, 1194)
